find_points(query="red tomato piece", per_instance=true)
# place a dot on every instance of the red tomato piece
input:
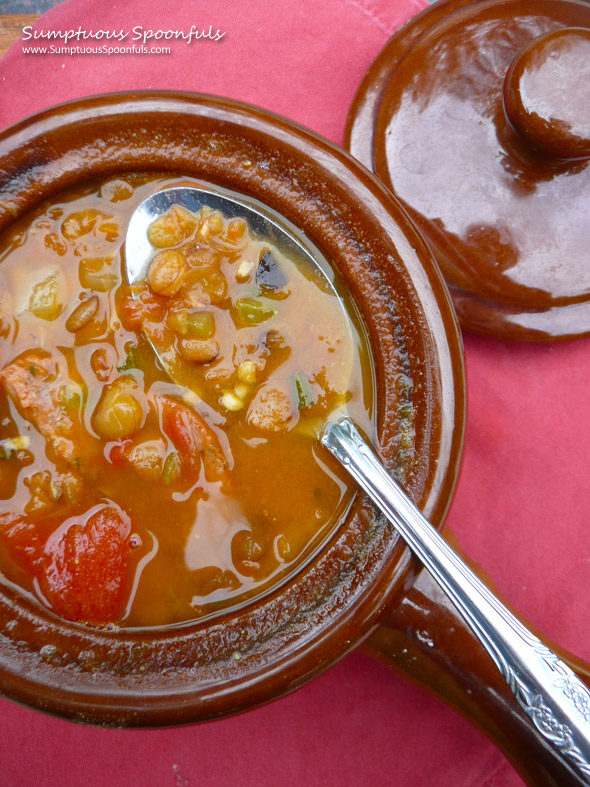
(145, 308)
(84, 566)
(119, 453)
(194, 439)
(32, 382)
(22, 539)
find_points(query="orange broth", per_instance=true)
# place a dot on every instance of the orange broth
(133, 495)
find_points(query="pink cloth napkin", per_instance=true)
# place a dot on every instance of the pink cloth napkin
(520, 509)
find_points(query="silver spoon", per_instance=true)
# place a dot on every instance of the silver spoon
(556, 701)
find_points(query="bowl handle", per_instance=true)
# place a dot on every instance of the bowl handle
(425, 637)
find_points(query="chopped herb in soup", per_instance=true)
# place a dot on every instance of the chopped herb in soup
(158, 441)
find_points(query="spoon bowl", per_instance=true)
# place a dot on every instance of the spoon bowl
(139, 252)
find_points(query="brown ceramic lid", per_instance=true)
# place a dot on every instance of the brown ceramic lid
(477, 116)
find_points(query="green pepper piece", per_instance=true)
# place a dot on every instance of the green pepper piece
(201, 324)
(171, 469)
(252, 311)
(70, 398)
(305, 396)
(132, 360)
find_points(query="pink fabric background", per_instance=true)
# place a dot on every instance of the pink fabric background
(520, 509)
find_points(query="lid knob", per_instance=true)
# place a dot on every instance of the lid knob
(547, 93)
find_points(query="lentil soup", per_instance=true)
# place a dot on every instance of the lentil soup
(138, 490)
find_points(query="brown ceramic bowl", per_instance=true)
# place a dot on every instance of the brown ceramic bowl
(240, 659)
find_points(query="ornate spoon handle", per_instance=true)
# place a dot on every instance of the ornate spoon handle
(551, 694)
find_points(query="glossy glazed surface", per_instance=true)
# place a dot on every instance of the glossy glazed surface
(241, 659)
(547, 93)
(505, 221)
(426, 637)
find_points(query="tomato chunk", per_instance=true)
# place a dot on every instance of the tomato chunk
(83, 565)
(22, 538)
(31, 381)
(146, 307)
(119, 453)
(194, 439)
